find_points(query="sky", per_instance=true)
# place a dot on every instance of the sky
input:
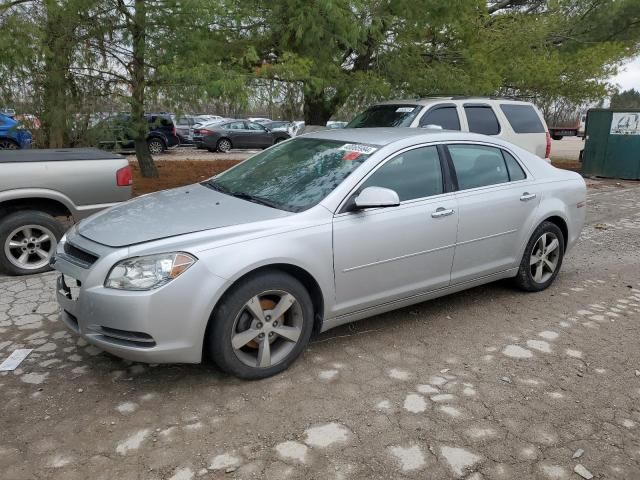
(629, 75)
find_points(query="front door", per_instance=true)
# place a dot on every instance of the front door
(259, 137)
(385, 254)
(496, 205)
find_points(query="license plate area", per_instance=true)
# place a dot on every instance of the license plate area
(70, 287)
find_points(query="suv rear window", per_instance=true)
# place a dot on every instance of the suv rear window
(400, 115)
(523, 118)
(482, 120)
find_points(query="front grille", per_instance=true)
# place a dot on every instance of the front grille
(81, 257)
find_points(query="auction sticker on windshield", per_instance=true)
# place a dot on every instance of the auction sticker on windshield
(353, 151)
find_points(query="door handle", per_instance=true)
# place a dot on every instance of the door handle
(442, 212)
(526, 196)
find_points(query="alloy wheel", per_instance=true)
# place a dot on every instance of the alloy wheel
(545, 256)
(8, 145)
(224, 145)
(267, 329)
(155, 147)
(30, 246)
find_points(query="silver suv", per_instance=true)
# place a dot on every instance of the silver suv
(520, 123)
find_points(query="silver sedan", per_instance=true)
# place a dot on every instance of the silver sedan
(312, 233)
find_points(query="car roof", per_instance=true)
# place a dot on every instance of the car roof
(386, 136)
(430, 100)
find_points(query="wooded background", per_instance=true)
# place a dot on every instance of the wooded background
(66, 60)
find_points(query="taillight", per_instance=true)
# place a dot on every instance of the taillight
(124, 177)
(547, 153)
(173, 130)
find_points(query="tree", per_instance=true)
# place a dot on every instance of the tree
(628, 99)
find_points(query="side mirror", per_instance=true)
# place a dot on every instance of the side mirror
(376, 197)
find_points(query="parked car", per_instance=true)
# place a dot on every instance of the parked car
(224, 136)
(318, 231)
(200, 129)
(41, 190)
(116, 132)
(184, 128)
(13, 135)
(281, 126)
(336, 124)
(520, 123)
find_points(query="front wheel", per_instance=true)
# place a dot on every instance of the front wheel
(8, 144)
(542, 258)
(261, 326)
(28, 240)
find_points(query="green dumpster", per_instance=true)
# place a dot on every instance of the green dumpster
(612, 148)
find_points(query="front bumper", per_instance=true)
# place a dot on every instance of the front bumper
(165, 325)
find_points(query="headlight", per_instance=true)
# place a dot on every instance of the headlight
(149, 272)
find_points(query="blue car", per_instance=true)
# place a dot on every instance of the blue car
(13, 135)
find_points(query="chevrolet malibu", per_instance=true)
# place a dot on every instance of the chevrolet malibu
(312, 233)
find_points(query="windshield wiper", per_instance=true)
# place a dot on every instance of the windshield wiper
(213, 185)
(254, 199)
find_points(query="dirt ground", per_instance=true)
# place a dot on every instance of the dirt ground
(490, 383)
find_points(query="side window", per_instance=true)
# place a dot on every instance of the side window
(481, 119)
(255, 126)
(413, 174)
(446, 117)
(235, 126)
(478, 166)
(523, 118)
(513, 167)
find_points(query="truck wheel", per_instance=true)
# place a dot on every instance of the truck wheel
(28, 240)
(556, 137)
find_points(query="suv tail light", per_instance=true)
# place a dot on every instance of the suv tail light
(547, 153)
(124, 177)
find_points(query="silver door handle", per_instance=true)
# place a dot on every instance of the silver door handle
(526, 196)
(442, 212)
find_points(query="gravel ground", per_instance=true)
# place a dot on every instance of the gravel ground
(486, 384)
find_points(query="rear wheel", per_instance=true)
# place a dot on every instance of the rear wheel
(542, 258)
(28, 240)
(556, 137)
(261, 327)
(156, 146)
(223, 145)
(8, 144)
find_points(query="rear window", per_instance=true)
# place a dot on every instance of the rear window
(482, 120)
(400, 115)
(523, 118)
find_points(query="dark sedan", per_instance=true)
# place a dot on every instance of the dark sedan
(240, 134)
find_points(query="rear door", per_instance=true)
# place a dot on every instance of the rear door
(496, 206)
(386, 254)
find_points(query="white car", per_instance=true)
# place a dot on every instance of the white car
(311, 233)
(520, 123)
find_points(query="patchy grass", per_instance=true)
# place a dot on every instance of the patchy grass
(177, 174)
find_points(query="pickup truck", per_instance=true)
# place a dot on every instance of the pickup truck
(43, 191)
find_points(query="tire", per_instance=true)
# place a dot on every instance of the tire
(156, 146)
(20, 228)
(232, 316)
(8, 144)
(279, 139)
(556, 137)
(223, 145)
(529, 277)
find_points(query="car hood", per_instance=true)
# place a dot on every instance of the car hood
(168, 213)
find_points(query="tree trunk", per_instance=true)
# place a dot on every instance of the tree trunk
(317, 109)
(140, 125)
(55, 82)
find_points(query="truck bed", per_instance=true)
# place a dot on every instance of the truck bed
(56, 155)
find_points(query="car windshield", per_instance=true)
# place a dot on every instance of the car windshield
(400, 115)
(294, 175)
